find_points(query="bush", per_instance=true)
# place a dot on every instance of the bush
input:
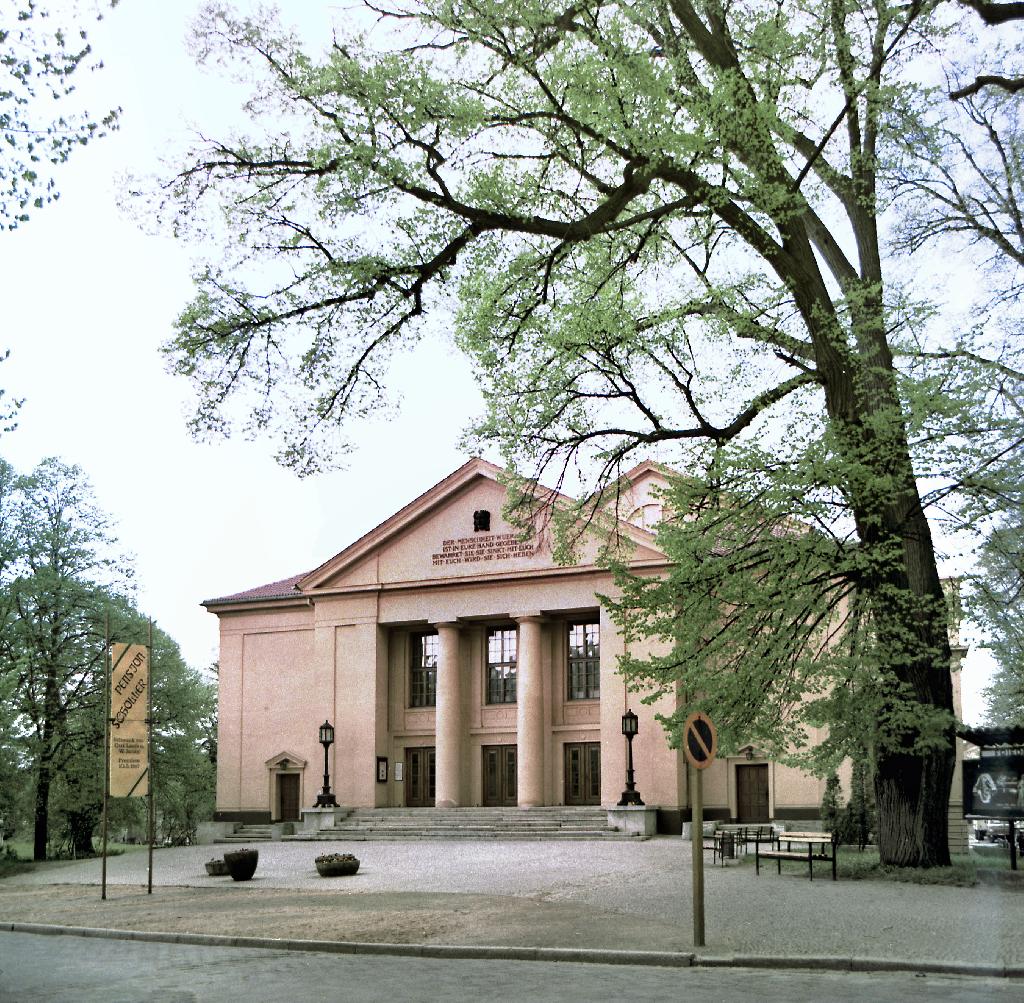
(860, 812)
(831, 812)
(11, 863)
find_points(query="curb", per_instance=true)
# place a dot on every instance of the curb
(596, 956)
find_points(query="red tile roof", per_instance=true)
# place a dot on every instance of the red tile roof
(272, 590)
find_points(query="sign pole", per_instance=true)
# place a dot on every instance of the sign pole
(697, 832)
(700, 743)
(149, 755)
(106, 743)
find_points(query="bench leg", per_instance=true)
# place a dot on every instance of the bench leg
(810, 862)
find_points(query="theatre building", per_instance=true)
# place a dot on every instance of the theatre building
(459, 666)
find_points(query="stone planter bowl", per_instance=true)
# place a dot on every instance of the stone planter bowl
(241, 864)
(336, 865)
(217, 868)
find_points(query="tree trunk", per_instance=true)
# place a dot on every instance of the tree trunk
(899, 579)
(912, 784)
(46, 754)
(81, 825)
(913, 803)
(42, 812)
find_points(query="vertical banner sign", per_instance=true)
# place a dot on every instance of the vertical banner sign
(129, 730)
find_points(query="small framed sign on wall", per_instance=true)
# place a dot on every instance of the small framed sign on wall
(398, 772)
(382, 769)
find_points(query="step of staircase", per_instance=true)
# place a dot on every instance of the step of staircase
(469, 823)
(249, 834)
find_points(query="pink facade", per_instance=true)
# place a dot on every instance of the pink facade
(480, 670)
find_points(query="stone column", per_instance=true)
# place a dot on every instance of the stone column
(448, 718)
(530, 714)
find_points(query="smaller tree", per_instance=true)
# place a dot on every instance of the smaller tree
(996, 596)
(831, 808)
(859, 821)
(184, 756)
(76, 797)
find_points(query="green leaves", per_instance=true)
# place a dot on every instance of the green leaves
(37, 65)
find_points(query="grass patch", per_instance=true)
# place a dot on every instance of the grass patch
(11, 864)
(857, 865)
(23, 849)
(863, 865)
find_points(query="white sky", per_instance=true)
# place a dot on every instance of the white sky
(87, 299)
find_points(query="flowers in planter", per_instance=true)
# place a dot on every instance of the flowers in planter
(333, 865)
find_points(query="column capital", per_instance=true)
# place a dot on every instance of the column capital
(533, 617)
(446, 625)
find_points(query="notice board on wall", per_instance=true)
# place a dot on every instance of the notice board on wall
(994, 784)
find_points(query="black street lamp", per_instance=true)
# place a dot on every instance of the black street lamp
(630, 795)
(325, 799)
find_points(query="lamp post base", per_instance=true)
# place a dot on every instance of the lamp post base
(628, 798)
(325, 800)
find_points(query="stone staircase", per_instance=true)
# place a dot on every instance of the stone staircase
(249, 834)
(470, 823)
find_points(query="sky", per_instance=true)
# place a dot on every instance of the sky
(89, 295)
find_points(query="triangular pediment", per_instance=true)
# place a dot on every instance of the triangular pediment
(286, 761)
(442, 535)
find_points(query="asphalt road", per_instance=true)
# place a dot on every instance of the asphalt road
(47, 969)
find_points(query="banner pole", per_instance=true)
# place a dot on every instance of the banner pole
(149, 759)
(106, 741)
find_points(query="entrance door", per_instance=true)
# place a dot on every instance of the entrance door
(500, 775)
(288, 796)
(752, 793)
(420, 774)
(582, 773)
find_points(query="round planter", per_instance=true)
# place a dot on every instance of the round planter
(337, 865)
(241, 864)
(216, 868)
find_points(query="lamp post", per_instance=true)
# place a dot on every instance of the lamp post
(630, 795)
(325, 799)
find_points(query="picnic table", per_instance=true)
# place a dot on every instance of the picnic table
(820, 846)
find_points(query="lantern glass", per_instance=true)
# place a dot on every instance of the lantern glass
(326, 733)
(630, 723)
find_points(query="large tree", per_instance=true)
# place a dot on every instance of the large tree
(63, 584)
(64, 575)
(41, 58)
(661, 220)
(961, 194)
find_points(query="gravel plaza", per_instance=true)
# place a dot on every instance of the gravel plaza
(595, 895)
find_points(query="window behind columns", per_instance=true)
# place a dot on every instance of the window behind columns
(423, 672)
(584, 661)
(501, 665)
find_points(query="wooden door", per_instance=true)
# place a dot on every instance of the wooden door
(288, 796)
(420, 775)
(500, 775)
(582, 773)
(752, 793)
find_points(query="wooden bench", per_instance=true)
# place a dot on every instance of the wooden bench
(820, 846)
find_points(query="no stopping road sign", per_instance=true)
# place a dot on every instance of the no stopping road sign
(700, 740)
